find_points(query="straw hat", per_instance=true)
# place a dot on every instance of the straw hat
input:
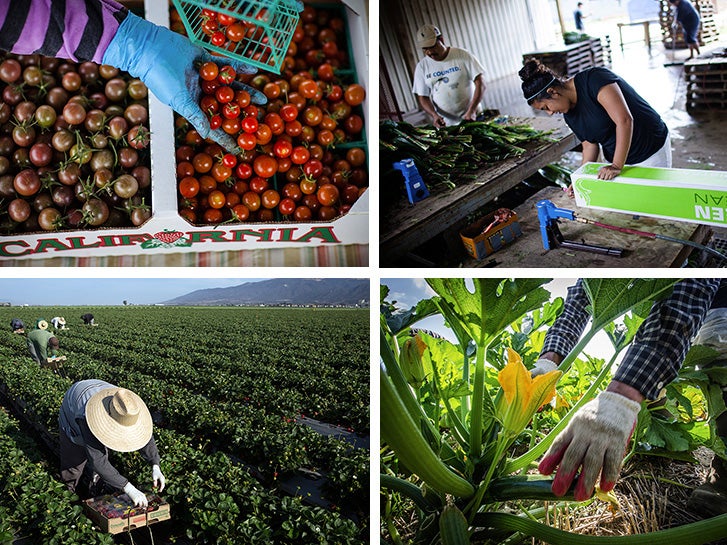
(119, 419)
(41, 324)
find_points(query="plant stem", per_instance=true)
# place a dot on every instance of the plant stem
(474, 505)
(477, 403)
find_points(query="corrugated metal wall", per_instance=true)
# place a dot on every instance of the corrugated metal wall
(497, 32)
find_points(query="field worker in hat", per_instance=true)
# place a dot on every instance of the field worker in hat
(59, 322)
(88, 318)
(42, 342)
(97, 417)
(17, 325)
(448, 82)
(105, 32)
(596, 438)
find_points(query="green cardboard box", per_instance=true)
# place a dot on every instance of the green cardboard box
(698, 196)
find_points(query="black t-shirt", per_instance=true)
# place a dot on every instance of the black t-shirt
(590, 121)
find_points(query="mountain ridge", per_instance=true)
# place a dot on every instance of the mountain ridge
(282, 291)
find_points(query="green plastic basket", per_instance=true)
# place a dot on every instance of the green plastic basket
(275, 22)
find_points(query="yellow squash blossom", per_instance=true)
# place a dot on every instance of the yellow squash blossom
(523, 394)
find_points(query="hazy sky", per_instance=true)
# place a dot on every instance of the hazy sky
(105, 291)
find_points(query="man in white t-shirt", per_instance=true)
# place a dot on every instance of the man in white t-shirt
(449, 81)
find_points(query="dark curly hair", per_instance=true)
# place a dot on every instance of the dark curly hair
(537, 78)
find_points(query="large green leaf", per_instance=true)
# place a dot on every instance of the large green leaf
(493, 305)
(399, 319)
(611, 297)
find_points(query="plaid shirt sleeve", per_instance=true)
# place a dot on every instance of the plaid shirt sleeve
(655, 356)
(658, 350)
(568, 327)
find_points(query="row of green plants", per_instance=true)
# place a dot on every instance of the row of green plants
(250, 427)
(309, 361)
(463, 423)
(214, 499)
(212, 495)
(32, 499)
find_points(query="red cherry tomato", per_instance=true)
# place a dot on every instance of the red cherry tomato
(265, 166)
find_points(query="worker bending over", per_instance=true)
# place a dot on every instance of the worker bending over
(97, 417)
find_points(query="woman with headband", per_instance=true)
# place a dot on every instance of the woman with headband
(604, 112)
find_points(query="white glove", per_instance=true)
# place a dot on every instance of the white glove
(596, 438)
(158, 477)
(137, 496)
(713, 332)
(542, 366)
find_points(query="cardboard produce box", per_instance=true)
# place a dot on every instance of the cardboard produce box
(166, 232)
(116, 513)
(697, 196)
(486, 236)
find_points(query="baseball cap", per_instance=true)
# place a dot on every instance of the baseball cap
(427, 36)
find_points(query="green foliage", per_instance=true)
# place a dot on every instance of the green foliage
(458, 413)
(224, 380)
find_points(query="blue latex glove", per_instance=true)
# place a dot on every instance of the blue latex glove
(166, 62)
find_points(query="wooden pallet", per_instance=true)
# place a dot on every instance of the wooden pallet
(576, 57)
(706, 82)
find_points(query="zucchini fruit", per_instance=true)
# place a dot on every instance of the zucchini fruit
(453, 527)
(404, 436)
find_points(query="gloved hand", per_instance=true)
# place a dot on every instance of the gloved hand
(167, 63)
(158, 477)
(542, 366)
(136, 495)
(596, 439)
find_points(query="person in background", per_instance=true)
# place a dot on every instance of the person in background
(88, 319)
(97, 417)
(688, 16)
(41, 343)
(605, 113)
(579, 16)
(58, 322)
(17, 325)
(105, 32)
(448, 82)
(597, 436)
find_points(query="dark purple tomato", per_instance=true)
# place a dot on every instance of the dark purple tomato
(42, 200)
(63, 140)
(19, 210)
(117, 127)
(23, 135)
(63, 196)
(7, 189)
(27, 182)
(49, 219)
(128, 158)
(115, 89)
(10, 71)
(69, 174)
(95, 211)
(57, 97)
(40, 154)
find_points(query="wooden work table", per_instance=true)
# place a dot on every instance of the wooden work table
(528, 250)
(405, 226)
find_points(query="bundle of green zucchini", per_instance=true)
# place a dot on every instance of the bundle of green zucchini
(452, 155)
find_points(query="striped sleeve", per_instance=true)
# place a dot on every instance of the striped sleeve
(654, 358)
(79, 30)
(568, 327)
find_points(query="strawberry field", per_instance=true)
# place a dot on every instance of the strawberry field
(232, 392)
